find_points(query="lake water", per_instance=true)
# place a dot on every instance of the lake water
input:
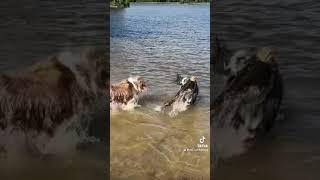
(157, 41)
(292, 150)
(31, 32)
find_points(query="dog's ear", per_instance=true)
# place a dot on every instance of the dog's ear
(193, 78)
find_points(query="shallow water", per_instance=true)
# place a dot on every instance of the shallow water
(31, 32)
(156, 41)
(291, 150)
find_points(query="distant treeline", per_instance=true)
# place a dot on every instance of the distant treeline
(119, 3)
(181, 1)
(126, 3)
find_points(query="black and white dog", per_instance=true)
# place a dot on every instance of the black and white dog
(184, 98)
(251, 97)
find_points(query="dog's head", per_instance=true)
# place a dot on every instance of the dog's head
(266, 55)
(182, 80)
(239, 60)
(138, 83)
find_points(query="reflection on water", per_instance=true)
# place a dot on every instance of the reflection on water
(291, 150)
(32, 31)
(156, 41)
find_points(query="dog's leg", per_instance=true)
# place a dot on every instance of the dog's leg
(136, 99)
(131, 104)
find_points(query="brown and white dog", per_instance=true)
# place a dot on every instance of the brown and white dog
(46, 95)
(125, 94)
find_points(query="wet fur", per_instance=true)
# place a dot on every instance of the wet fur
(179, 102)
(250, 100)
(47, 94)
(126, 91)
(122, 92)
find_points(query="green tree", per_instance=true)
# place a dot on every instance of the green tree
(120, 3)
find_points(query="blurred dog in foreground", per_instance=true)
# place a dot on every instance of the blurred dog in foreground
(250, 100)
(44, 96)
